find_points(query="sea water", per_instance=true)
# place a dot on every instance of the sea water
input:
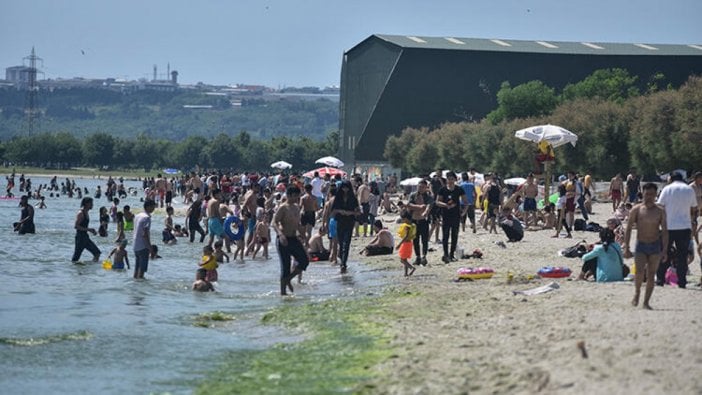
(78, 328)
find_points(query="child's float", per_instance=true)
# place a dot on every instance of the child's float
(233, 228)
(469, 273)
(554, 272)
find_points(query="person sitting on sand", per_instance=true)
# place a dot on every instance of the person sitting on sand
(383, 242)
(511, 225)
(605, 260)
(316, 249)
(201, 284)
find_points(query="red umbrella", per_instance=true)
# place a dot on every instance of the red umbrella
(324, 171)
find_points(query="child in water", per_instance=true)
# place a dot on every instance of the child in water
(407, 232)
(261, 235)
(104, 220)
(120, 256)
(201, 284)
(209, 263)
(168, 236)
(219, 254)
(119, 217)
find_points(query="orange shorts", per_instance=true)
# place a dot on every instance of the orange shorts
(405, 250)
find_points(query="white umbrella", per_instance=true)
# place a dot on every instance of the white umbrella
(410, 182)
(281, 164)
(330, 161)
(554, 135)
(516, 181)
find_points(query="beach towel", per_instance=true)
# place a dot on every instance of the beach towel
(539, 290)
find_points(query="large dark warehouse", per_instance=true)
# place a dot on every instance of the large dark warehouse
(392, 82)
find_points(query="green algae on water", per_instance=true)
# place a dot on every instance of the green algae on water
(38, 341)
(343, 344)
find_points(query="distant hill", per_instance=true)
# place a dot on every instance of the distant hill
(168, 115)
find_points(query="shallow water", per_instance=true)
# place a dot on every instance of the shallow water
(67, 328)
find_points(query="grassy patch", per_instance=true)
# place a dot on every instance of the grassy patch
(345, 341)
(207, 320)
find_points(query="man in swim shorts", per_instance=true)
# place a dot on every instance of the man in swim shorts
(214, 220)
(650, 222)
(615, 191)
(530, 191)
(309, 211)
(289, 231)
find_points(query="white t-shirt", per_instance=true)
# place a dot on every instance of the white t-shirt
(317, 187)
(678, 198)
(142, 226)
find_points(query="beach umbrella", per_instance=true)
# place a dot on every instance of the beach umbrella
(410, 182)
(516, 181)
(330, 161)
(324, 171)
(552, 134)
(281, 164)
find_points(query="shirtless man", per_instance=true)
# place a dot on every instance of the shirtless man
(363, 193)
(160, 186)
(696, 185)
(316, 248)
(309, 211)
(382, 244)
(249, 211)
(289, 231)
(530, 190)
(214, 220)
(650, 222)
(615, 191)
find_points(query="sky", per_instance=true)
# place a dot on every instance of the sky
(284, 43)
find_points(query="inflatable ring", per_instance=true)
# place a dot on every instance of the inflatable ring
(233, 228)
(469, 273)
(554, 272)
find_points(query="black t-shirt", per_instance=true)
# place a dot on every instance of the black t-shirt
(451, 197)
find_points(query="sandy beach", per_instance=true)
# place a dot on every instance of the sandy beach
(478, 337)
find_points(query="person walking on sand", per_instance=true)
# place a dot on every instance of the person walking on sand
(651, 226)
(450, 199)
(680, 204)
(420, 205)
(82, 228)
(530, 191)
(345, 209)
(289, 230)
(615, 191)
(142, 239)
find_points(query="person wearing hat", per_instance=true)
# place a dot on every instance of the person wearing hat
(680, 205)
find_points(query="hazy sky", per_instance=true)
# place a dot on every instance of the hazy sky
(300, 43)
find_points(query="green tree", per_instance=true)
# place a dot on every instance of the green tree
(606, 84)
(531, 99)
(98, 149)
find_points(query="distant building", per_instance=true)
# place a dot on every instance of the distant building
(17, 74)
(389, 83)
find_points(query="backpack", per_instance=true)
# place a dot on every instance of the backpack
(593, 227)
(579, 224)
(576, 251)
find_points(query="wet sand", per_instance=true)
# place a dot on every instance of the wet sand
(478, 337)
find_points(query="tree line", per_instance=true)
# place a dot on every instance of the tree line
(618, 127)
(85, 111)
(241, 151)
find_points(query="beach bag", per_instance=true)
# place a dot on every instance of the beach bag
(671, 276)
(576, 251)
(593, 227)
(579, 224)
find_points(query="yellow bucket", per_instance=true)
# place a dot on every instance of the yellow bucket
(107, 264)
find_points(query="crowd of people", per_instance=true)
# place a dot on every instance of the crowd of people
(316, 219)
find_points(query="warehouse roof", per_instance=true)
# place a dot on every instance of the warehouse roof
(555, 47)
